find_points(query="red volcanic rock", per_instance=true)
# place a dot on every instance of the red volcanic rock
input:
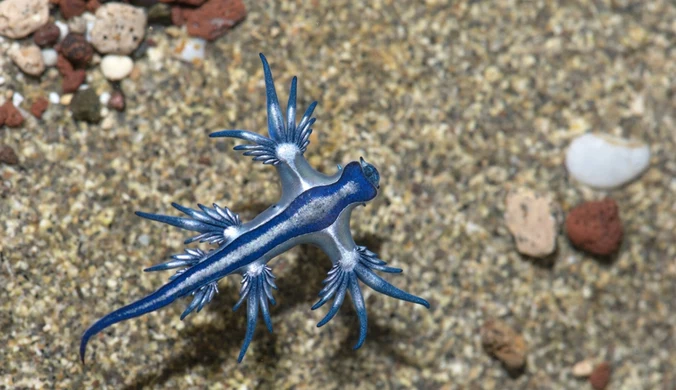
(595, 227)
(211, 20)
(63, 65)
(93, 5)
(600, 377)
(47, 35)
(39, 107)
(177, 17)
(72, 8)
(73, 80)
(13, 117)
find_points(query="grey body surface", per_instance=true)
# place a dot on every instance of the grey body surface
(313, 208)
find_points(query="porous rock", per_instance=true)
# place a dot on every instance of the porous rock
(12, 116)
(19, 18)
(595, 227)
(212, 19)
(39, 107)
(28, 59)
(118, 29)
(532, 220)
(502, 341)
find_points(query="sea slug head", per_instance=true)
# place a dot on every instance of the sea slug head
(370, 172)
(360, 181)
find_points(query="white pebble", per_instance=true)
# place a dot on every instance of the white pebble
(63, 28)
(2, 80)
(88, 33)
(191, 49)
(17, 99)
(104, 98)
(49, 57)
(54, 98)
(144, 240)
(583, 369)
(115, 67)
(604, 161)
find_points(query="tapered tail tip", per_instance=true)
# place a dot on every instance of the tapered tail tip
(423, 302)
(83, 348)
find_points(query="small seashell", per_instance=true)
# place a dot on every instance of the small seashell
(604, 161)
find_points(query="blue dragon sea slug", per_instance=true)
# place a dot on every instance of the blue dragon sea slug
(314, 208)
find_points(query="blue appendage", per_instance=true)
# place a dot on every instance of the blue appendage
(341, 280)
(211, 223)
(257, 291)
(265, 149)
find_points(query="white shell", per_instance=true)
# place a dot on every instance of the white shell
(604, 161)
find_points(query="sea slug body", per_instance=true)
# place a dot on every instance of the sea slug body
(314, 208)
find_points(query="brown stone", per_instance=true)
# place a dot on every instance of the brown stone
(63, 65)
(503, 342)
(8, 155)
(39, 107)
(13, 117)
(93, 5)
(214, 18)
(3, 116)
(72, 8)
(595, 227)
(600, 377)
(73, 80)
(77, 50)
(117, 100)
(177, 17)
(47, 35)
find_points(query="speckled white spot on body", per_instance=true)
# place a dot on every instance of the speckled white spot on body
(287, 153)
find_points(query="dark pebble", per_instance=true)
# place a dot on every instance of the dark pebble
(85, 106)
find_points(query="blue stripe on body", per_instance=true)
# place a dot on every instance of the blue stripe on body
(351, 173)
